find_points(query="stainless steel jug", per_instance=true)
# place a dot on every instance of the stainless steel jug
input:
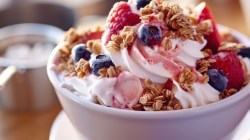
(25, 86)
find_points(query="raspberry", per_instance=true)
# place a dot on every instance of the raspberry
(229, 63)
(121, 15)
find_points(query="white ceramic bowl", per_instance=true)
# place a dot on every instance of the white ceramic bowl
(210, 122)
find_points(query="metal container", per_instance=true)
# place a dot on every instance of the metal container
(38, 12)
(25, 85)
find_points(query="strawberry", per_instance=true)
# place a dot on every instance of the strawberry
(121, 15)
(91, 36)
(213, 39)
(229, 63)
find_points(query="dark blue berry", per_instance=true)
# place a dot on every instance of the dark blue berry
(244, 52)
(149, 34)
(81, 52)
(101, 61)
(217, 79)
(142, 3)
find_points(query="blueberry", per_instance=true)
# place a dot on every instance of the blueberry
(217, 79)
(149, 34)
(101, 61)
(244, 52)
(80, 51)
(142, 3)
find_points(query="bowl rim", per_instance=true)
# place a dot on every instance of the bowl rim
(176, 114)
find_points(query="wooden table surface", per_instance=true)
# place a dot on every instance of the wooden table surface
(229, 13)
(36, 125)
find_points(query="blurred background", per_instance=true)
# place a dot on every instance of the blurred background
(22, 119)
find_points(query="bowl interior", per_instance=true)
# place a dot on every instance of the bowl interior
(202, 110)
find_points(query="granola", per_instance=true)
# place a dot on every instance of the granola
(156, 98)
(186, 79)
(182, 26)
(124, 39)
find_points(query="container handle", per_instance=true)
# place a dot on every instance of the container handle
(6, 75)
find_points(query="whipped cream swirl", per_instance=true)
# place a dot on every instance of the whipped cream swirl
(156, 64)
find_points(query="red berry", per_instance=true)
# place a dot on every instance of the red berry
(121, 15)
(229, 63)
(169, 84)
(91, 36)
(213, 39)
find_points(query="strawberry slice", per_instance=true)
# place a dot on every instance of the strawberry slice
(91, 36)
(214, 38)
(229, 63)
(121, 15)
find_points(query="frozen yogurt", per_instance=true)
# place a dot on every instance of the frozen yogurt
(153, 55)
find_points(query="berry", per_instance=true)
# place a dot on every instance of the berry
(213, 39)
(244, 52)
(142, 3)
(217, 79)
(169, 84)
(121, 15)
(91, 36)
(229, 63)
(102, 61)
(80, 51)
(149, 34)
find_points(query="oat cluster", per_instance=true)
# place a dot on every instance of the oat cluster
(230, 46)
(207, 52)
(228, 37)
(110, 72)
(227, 92)
(82, 68)
(156, 98)
(95, 46)
(204, 64)
(186, 79)
(123, 40)
(166, 44)
(71, 38)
